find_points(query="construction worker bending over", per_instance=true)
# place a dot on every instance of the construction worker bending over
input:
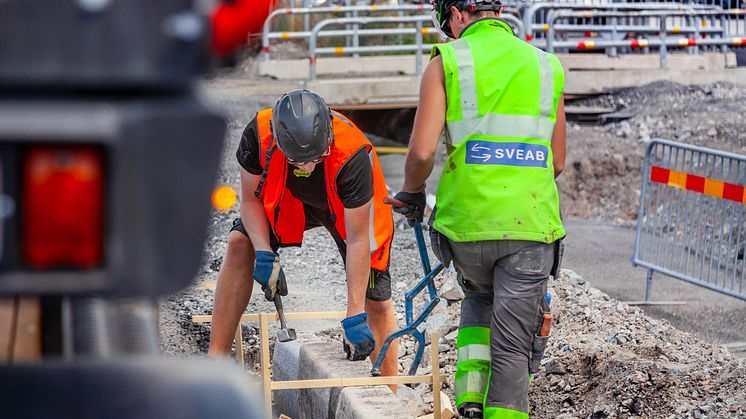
(304, 166)
(497, 211)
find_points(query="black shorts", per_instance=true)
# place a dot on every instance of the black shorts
(379, 282)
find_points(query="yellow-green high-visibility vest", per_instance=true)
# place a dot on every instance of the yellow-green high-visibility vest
(502, 95)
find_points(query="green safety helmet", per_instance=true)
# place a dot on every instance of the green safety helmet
(442, 11)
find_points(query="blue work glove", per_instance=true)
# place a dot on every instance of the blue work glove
(357, 338)
(415, 206)
(268, 273)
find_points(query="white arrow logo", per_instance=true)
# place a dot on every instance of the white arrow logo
(477, 148)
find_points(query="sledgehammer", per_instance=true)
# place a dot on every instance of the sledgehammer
(284, 334)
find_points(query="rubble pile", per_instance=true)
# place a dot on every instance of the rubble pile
(601, 179)
(607, 359)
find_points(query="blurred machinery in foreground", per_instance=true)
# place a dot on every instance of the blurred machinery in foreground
(107, 163)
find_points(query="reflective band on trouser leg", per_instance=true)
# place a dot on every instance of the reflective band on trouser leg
(473, 367)
(503, 413)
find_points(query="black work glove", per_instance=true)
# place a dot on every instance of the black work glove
(415, 208)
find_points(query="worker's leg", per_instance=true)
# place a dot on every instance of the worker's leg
(519, 282)
(233, 290)
(382, 321)
(475, 263)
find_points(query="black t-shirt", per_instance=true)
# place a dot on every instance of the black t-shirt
(354, 180)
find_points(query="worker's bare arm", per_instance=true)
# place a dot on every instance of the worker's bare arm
(252, 212)
(357, 225)
(428, 124)
(559, 139)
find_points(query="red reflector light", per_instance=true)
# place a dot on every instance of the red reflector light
(62, 207)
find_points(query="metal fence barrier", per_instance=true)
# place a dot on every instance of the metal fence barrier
(349, 11)
(692, 219)
(418, 47)
(535, 17)
(660, 20)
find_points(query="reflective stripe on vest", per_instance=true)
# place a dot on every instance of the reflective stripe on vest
(371, 221)
(501, 125)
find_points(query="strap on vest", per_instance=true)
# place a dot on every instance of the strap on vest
(267, 158)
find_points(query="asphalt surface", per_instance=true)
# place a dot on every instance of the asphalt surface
(601, 252)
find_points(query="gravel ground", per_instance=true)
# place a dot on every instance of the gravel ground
(605, 359)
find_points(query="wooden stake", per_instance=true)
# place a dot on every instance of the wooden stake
(7, 329)
(435, 364)
(266, 378)
(239, 345)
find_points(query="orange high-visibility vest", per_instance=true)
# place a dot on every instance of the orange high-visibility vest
(285, 212)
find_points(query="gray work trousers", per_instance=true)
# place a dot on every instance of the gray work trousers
(504, 282)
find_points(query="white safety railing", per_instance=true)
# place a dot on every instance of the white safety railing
(535, 16)
(663, 41)
(417, 47)
(349, 11)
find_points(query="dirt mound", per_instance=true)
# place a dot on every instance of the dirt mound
(602, 174)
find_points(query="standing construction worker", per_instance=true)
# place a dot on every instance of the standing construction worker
(497, 216)
(304, 166)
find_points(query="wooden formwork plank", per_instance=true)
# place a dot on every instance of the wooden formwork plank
(435, 367)
(7, 328)
(239, 345)
(298, 315)
(350, 382)
(27, 343)
(268, 385)
(264, 345)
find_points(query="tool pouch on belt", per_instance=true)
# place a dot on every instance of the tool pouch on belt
(541, 337)
(439, 242)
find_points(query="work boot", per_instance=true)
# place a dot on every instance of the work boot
(470, 410)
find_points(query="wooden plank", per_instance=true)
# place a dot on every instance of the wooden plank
(656, 303)
(298, 315)
(435, 367)
(27, 344)
(264, 345)
(7, 328)
(350, 382)
(239, 345)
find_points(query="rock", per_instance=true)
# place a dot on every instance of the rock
(450, 289)
(574, 277)
(446, 408)
(554, 367)
(412, 401)
(439, 323)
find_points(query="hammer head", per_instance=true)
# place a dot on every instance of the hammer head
(286, 335)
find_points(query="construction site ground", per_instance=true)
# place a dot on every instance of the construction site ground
(606, 359)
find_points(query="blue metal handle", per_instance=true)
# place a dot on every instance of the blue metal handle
(412, 323)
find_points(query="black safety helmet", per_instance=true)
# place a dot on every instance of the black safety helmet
(302, 126)
(442, 11)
